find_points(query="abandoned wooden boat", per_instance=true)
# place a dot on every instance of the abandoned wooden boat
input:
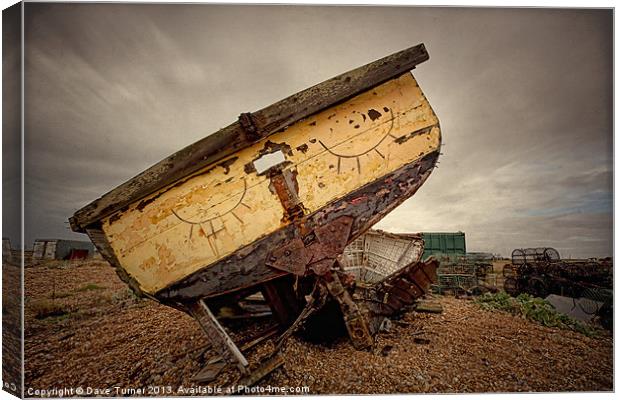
(270, 202)
(388, 273)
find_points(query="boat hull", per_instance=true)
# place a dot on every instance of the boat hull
(219, 223)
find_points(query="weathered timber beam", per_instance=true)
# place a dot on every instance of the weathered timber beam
(249, 129)
(220, 340)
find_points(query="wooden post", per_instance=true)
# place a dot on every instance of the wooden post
(282, 299)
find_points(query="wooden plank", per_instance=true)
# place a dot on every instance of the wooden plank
(281, 299)
(429, 307)
(232, 138)
(220, 340)
(253, 342)
(265, 368)
(102, 244)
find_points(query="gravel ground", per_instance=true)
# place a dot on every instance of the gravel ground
(104, 337)
(11, 327)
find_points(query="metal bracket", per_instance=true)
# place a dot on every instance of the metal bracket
(317, 255)
(292, 257)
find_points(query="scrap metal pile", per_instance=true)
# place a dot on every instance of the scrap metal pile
(541, 272)
(268, 205)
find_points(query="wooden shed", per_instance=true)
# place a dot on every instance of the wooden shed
(61, 249)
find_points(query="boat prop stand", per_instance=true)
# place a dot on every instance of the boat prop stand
(354, 318)
(220, 340)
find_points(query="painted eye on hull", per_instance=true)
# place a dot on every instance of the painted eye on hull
(374, 148)
(206, 226)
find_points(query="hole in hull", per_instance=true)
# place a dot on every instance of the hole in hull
(268, 161)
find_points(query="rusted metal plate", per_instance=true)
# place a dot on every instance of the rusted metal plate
(333, 237)
(229, 205)
(291, 258)
(324, 245)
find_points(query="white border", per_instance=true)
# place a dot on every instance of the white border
(494, 4)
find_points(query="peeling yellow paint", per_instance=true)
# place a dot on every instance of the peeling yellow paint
(190, 225)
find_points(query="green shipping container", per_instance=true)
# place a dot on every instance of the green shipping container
(442, 244)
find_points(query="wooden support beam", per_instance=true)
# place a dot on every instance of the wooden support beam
(282, 300)
(216, 364)
(222, 343)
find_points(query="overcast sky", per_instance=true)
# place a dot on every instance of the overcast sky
(524, 98)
